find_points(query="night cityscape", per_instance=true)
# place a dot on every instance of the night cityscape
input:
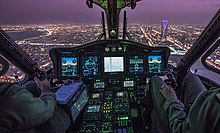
(37, 40)
(110, 66)
(38, 26)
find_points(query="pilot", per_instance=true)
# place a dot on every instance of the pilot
(198, 113)
(21, 111)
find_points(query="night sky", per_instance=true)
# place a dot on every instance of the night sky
(76, 11)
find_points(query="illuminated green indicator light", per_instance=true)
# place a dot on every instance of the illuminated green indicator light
(126, 43)
(97, 80)
(125, 49)
(123, 118)
(127, 79)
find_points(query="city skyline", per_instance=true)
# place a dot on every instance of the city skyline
(67, 11)
(37, 40)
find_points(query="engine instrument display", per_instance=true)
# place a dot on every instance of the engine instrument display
(113, 64)
(69, 66)
(136, 64)
(90, 66)
(155, 65)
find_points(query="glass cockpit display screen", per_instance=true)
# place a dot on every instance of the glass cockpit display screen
(90, 66)
(155, 65)
(136, 64)
(69, 66)
(113, 64)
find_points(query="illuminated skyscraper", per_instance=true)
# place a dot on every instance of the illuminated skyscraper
(164, 29)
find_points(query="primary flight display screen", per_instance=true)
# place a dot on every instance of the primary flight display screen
(90, 65)
(69, 66)
(113, 64)
(155, 65)
(136, 64)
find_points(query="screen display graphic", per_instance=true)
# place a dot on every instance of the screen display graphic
(90, 66)
(136, 64)
(99, 85)
(69, 66)
(93, 108)
(96, 95)
(155, 65)
(128, 83)
(113, 64)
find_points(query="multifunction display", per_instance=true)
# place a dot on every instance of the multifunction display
(69, 66)
(90, 66)
(155, 65)
(136, 64)
(113, 64)
(107, 60)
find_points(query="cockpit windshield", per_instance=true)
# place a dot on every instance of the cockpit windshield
(38, 26)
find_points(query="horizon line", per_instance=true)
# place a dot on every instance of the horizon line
(94, 24)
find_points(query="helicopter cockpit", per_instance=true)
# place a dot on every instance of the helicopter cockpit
(115, 73)
(103, 85)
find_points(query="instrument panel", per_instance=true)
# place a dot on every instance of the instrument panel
(113, 71)
(109, 58)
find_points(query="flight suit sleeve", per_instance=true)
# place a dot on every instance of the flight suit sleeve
(176, 114)
(36, 110)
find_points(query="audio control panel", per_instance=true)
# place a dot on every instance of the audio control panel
(111, 109)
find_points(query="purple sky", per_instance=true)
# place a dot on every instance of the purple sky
(76, 11)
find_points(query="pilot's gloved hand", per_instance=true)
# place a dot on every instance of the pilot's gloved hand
(44, 85)
(167, 91)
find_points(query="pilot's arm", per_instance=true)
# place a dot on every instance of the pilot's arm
(20, 110)
(43, 106)
(175, 110)
(203, 116)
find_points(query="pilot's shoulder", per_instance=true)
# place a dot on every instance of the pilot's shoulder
(209, 95)
(9, 88)
(5, 87)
